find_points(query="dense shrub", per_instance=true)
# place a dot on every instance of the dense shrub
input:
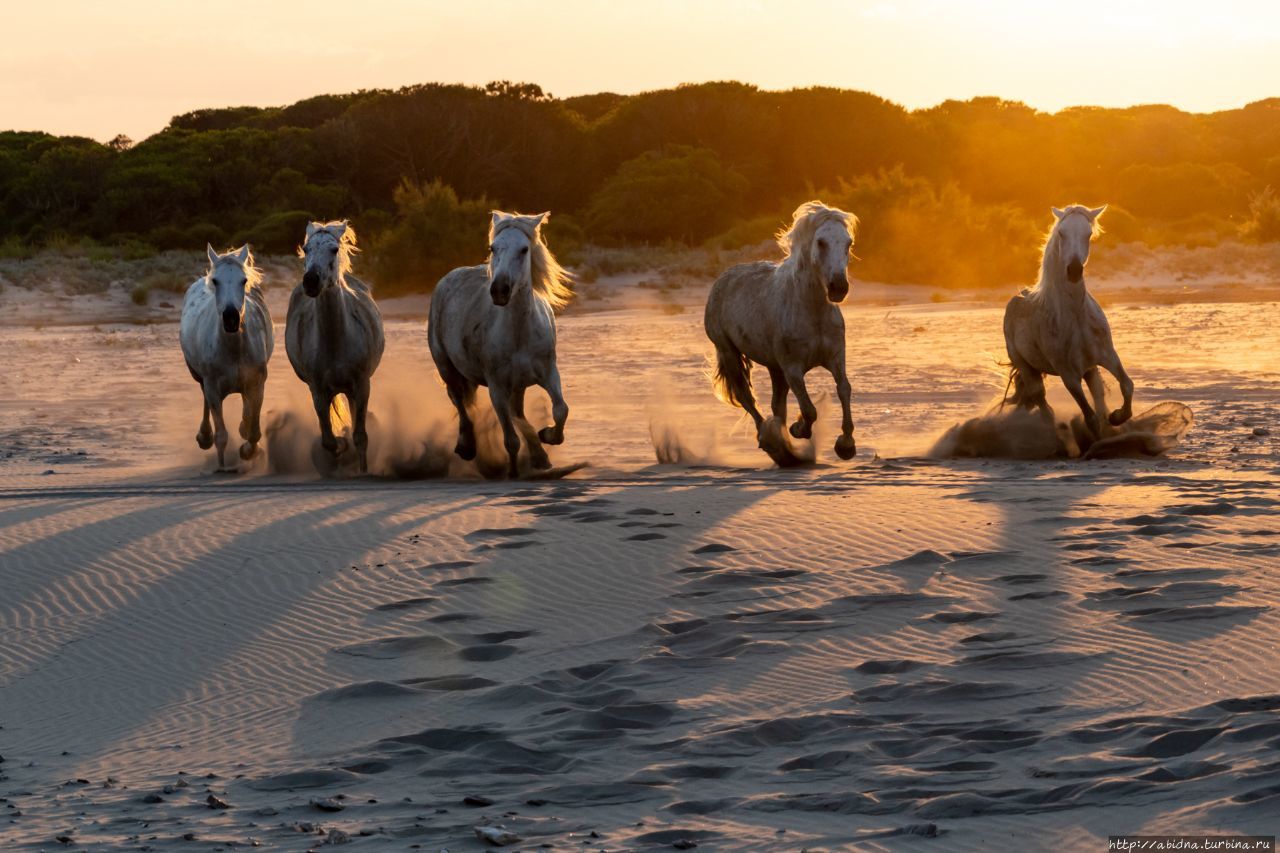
(434, 231)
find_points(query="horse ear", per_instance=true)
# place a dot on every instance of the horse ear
(243, 255)
(1058, 214)
(213, 256)
(541, 218)
(340, 229)
(1096, 212)
(311, 229)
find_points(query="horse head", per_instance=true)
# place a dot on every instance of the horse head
(513, 238)
(821, 239)
(230, 276)
(326, 255)
(1076, 227)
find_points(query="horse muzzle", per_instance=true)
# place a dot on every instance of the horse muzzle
(1075, 272)
(500, 291)
(311, 283)
(230, 320)
(838, 289)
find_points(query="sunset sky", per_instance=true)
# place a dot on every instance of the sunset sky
(98, 69)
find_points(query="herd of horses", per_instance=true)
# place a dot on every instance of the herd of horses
(493, 325)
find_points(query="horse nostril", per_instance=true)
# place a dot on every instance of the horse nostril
(230, 319)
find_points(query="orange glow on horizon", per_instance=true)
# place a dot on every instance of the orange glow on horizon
(97, 69)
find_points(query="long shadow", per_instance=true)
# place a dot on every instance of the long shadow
(367, 530)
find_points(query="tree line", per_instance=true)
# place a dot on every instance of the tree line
(956, 194)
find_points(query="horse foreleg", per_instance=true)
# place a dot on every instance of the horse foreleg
(250, 420)
(803, 427)
(204, 436)
(359, 418)
(462, 393)
(1098, 391)
(559, 409)
(219, 429)
(1072, 383)
(1112, 363)
(510, 438)
(846, 448)
(537, 455)
(779, 402)
(327, 439)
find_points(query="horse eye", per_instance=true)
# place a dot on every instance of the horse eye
(822, 244)
(333, 250)
(525, 250)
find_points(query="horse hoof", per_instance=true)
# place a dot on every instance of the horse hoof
(205, 441)
(540, 463)
(340, 447)
(466, 452)
(548, 435)
(1119, 416)
(801, 429)
(248, 450)
(846, 448)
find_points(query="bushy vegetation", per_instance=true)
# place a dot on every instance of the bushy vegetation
(955, 194)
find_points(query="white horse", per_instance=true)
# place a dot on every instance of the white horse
(782, 316)
(495, 325)
(333, 334)
(227, 341)
(1058, 328)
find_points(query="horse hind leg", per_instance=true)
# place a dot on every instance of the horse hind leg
(732, 380)
(462, 394)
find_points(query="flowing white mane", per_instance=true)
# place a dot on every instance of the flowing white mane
(549, 278)
(797, 241)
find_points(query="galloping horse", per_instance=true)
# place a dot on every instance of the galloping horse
(1058, 328)
(782, 315)
(494, 325)
(227, 341)
(333, 334)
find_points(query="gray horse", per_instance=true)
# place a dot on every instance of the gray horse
(495, 325)
(227, 340)
(1058, 328)
(782, 315)
(334, 336)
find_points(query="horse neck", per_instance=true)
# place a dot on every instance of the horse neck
(805, 284)
(331, 313)
(1053, 282)
(518, 313)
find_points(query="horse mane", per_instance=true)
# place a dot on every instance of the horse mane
(550, 280)
(252, 275)
(797, 241)
(346, 244)
(1050, 246)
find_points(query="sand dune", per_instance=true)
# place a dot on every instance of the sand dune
(641, 656)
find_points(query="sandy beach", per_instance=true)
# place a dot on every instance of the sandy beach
(892, 652)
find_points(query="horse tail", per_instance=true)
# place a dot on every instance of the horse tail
(339, 414)
(731, 377)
